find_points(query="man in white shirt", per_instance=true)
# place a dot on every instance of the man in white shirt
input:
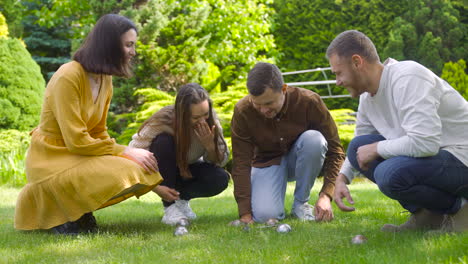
(411, 135)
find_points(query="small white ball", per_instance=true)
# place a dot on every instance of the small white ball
(272, 222)
(236, 222)
(359, 239)
(180, 231)
(283, 228)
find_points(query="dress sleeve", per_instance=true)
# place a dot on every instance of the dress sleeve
(65, 100)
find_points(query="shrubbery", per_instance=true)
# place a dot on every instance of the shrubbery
(454, 73)
(21, 86)
(13, 146)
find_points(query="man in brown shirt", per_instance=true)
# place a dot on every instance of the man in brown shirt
(282, 133)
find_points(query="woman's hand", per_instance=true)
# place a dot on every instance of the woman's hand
(205, 134)
(166, 193)
(143, 158)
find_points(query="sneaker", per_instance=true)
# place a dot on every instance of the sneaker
(184, 207)
(172, 215)
(87, 223)
(457, 222)
(423, 219)
(304, 212)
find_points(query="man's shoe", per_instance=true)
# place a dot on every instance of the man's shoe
(184, 207)
(423, 219)
(304, 212)
(172, 215)
(457, 222)
(69, 228)
(87, 223)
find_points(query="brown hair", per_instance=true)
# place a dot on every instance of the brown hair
(102, 51)
(351, 42)
(264, 75)
(179, 116)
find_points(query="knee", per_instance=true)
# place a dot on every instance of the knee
(263, 213)
(313, 140)
(218, 181)
(221, 179)
(390, 180)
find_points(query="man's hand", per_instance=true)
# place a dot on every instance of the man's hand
(247, 218)
(366, 154)
(143, 158)
(166, 193)
(341, 190)
(323, 210)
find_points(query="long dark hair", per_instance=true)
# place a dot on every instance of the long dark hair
(102, 51)
(188, 95)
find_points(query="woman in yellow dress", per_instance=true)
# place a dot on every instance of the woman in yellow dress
(73, 167)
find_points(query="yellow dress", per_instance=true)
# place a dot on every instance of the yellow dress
(72, 165)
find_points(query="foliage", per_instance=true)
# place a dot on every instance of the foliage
(131, 232)
(429, 32)
(170, 44)
(455, 74)
(13, 146)
(3, 27)
(77, 15)
(21, 86)
(240, 36)
(154, 100)
(49, 47)
(13, 12)
(304, 29)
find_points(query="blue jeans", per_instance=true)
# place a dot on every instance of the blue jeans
(302, 164)
(436, 183)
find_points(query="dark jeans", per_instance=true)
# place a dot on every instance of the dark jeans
(207, 179)
(436, 183)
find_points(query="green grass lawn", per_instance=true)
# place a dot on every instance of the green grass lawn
(131, 232)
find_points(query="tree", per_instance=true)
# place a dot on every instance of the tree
(21, 86)
(171, 45)
(49, 47)
(240, 35)
(429, 32)
(13, 13)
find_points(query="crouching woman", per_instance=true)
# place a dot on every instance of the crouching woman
(187, 141)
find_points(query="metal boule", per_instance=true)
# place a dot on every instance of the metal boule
(283, 228)
(359, 239)
(272, 222)
(236, 222)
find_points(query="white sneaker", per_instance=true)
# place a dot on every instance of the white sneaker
(304, 212)
(184, 207)
(172, 215)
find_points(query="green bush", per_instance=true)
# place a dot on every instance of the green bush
(13, 146)
(21, 86)
(454, 73)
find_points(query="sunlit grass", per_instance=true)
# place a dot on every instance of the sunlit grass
(131, 232)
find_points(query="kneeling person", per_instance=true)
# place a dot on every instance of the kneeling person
(279, 134)
(187, 141)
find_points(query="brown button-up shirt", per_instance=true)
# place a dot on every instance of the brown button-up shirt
(260, 142)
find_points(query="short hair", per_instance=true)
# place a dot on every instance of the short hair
(351, 42)
(264, 75)
(102, 51)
